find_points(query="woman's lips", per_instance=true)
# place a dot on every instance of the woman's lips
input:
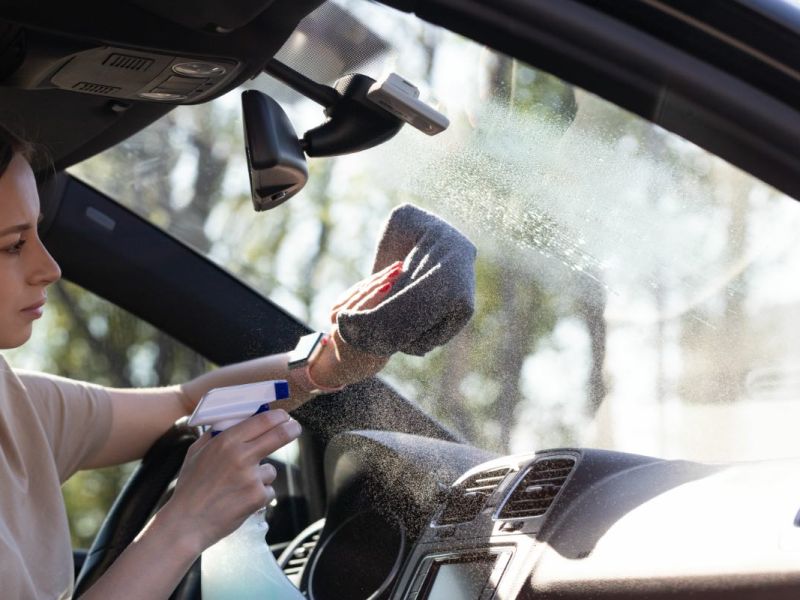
(35, 310)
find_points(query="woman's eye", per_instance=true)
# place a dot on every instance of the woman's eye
(15, 248)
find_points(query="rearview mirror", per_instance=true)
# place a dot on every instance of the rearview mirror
(275, 159)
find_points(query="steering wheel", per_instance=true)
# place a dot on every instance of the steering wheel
(134, 506)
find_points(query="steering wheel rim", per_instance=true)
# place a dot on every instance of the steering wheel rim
(136, 503)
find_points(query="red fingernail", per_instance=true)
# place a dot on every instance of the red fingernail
(395, 273)
(385, 288)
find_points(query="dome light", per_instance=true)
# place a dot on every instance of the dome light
(162, 96)
(198, 69)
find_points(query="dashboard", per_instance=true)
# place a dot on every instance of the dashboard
(413, 518)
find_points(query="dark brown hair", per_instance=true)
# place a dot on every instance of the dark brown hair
(11, 144)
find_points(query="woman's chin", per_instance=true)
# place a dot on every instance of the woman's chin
(15, 339)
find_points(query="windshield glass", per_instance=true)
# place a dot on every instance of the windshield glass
(634, 292)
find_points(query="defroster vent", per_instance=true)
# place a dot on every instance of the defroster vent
(466, 500)
(538, 488)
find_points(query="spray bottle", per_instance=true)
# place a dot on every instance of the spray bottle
(241, 566)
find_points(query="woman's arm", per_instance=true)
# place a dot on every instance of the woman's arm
(141, 416)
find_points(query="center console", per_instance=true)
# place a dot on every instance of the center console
(481, 541)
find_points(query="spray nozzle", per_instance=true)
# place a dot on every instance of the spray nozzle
(226, 406)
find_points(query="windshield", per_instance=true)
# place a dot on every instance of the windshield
(634, 292)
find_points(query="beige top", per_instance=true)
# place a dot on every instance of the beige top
(48, 427)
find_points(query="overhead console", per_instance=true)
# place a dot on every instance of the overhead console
(135, 75)
(143, 51)
(77, 77)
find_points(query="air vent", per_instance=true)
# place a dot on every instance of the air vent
(466, 500)
(297, 561)
(294, 558)
(95, 88)
(126, 61)
(537, 490)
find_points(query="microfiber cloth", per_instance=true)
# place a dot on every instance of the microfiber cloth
(433, 298)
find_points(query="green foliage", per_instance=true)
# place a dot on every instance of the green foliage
(88, 495)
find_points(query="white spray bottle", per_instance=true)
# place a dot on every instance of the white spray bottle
(241, 566)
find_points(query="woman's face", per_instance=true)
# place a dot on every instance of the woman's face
(26, 268)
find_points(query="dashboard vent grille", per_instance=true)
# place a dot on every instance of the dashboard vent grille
(537, 490)
(297, 560)
(467, 499)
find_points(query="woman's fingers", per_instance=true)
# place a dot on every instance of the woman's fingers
(274, 438)
(362, 286)
(342, 300)
(367, 288)
(200, 443)
(260, 435)
(396, 265)
(267, 473)
(255, 426)
(373, 298)
(385, 281)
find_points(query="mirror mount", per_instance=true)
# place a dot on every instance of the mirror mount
(354, 122)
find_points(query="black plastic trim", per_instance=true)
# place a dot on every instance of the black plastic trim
(150, 274)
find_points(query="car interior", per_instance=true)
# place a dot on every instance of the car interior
(390, 495)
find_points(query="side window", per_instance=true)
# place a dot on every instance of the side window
(81, 336)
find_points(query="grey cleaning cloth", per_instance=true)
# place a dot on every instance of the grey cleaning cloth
(431, 301)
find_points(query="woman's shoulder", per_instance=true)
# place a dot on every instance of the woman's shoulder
(11, 378)
(45, 389)
(8, 375)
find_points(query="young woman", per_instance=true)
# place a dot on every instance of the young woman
(51, 427)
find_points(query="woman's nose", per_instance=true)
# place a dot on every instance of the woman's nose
(46, 269)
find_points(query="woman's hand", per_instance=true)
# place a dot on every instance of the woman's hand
(221, 481)
(369, 292)
(219, 485)
(342, 364)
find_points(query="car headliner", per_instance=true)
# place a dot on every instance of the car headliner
(738, 100)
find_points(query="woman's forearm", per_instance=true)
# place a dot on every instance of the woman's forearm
(336, 364)
(141, 416)
(251, 371)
